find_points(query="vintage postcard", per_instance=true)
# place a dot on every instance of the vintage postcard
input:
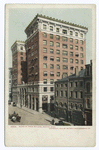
(50, 75)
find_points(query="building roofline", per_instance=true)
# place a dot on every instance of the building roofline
(16, 42)
(57, 20)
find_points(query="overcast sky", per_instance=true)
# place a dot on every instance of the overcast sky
(20, 18)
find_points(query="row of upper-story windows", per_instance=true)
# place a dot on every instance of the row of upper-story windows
(72, 94)
(45, 81)
(58, 51)
(64, 60)
(65, 53)
(45, 89)
(63, 38)
(58, 45)
(75, 84)
(63, 30)
(45, 73)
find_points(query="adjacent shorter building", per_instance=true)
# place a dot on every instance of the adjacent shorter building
(73, 97)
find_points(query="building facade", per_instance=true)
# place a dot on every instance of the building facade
(73, 97)
(10, 84)
(53, 49)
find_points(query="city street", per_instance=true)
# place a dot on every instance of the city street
(28, 118)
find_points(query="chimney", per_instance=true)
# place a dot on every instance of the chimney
(76, 71)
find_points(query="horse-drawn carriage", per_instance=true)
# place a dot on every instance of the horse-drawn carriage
(14, 117)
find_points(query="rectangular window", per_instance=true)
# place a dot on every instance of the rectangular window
(57, 37)
(61, 85)
(65, 84)
(81, 94)
(64, 38)
(81, 35)
(71, 32)
(76, 61)
(71, 40)
(21, 58)
(51, 43)
(57, 29)
(51, 89)
(75, 84)
(71, 46)
(65, 59)
(71, 60)
(45, 81)
(65, 67)
(81, 83)
(45, 89)
(76, 47)
(65, 94)
(76, 41)
(71, 68)
(51, 36)
(57, 44)
(82, 62)
(65, 53)
(64, 75)
(81, 48)
(21, 53)
(52, 74)
(75, 94)
(81, 68)
(71, 84)
(81, 42)
(64, 45)
(44, 50)
(71, 53)
(51, 81)
(44, 57)
(45, 73)
(58, 74)
(57, 51)
(71, 93)
(51, 51)
(44, 35)
(44, 26)
(64, 31)
(51, 66)
(44, 65)
(58, 66)
(81, 55)
(44, 42)
(58, 59)
(51, 58)
(61, 94)
(51, 28)
(76, 33)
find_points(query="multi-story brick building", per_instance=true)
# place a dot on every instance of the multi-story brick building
(10, 84)
(73, 97)
(53, 49)
(19, 69)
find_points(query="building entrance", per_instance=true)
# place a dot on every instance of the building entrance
(45, 103)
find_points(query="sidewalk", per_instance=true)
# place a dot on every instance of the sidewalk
(29, 110)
